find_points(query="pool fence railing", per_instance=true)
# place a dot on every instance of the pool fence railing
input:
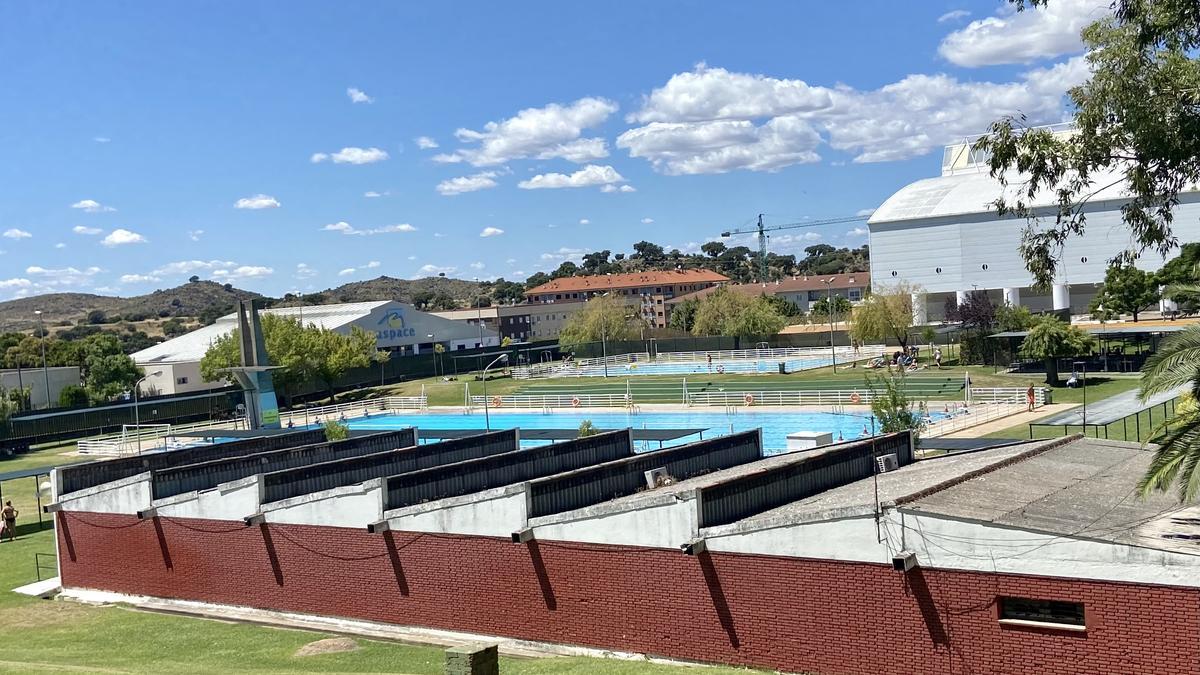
(588, 366)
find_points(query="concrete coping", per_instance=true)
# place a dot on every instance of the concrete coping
(340, 491)
(105, 487)
(195, 494)
(457, 500)
(647, 499)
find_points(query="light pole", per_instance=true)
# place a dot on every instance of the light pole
(137, 418)
(604, 333)
(433, 346)
(829, 300)
(45, 371)
(487, 420)
(1083, 368)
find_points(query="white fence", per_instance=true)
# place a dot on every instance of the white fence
(590, 366)
(973, 416)
(554, 401)
(158, 437)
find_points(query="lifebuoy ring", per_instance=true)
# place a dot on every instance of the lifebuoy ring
(749, 399)
(855, 398)
(496, 401)
(575, 402)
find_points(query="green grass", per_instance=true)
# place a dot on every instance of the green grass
(59, 636)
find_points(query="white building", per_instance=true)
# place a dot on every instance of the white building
(35, 380)
(398, 327)
(943, 235)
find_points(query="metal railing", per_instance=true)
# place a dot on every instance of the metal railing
(40, 566)
(1140, 426)
(155, 437)
(973, 415)
(587, 366)
(547, 401)
(1009, 395)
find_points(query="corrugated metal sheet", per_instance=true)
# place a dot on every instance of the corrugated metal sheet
(473, 476)
(206, 475)
(624, 477)
(89, 474)
(314, 477)
(748, 495)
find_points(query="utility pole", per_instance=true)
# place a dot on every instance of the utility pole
(762, 252)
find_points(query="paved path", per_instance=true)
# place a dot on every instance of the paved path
(1113, 408)
(1021, 419)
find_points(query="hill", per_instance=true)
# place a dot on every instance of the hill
(417, 291)
(194, 299)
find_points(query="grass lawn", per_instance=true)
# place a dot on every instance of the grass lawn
(60, 636)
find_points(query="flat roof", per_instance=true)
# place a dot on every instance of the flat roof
(563, 434)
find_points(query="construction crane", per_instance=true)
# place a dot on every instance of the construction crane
(762, 231)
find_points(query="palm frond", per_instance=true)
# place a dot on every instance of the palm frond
(1176, 363)
(1177, 457)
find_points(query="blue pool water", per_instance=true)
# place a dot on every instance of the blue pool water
(775, 425)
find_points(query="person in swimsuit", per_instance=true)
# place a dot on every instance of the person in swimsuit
(9, 514)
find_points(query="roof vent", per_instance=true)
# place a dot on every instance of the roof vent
(658, 478)
(887, 462)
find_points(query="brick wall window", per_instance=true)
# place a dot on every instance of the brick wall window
(1049, 612)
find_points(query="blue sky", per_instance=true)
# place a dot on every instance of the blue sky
(131, 132)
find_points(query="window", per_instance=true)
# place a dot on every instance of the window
(855, 294)
(1053, 613)
(181, 380)
(813, 296)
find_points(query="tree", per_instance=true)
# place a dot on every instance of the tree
(977, 312)
(1177, 459)
(193, 279)
(891, 406)
(97, 316)
(1050, 339)
(713, 249)
(1127, 290)
(602, 318)
(728, 312)
(683, 315)
(596, 262)
(820, 309)
(1182, 270)
(536, 279)
(885, 313)
(1010, 318)
(107, 371)
(174, 327)
(649, 253)
(1136, 120)
(787, 308)
(336, 431)
(586, 428)
(72, 396)
(507, 291)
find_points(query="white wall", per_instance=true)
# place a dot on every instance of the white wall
(348, 506)
(229, 501)
(167, 381)
(492, 513)
(665, 523)
(128, 496)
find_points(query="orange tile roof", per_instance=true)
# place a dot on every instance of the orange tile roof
(603, 282)
(790, 285)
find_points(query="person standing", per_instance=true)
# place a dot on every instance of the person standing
(1029, 397)
(9, 514)
(937, 357)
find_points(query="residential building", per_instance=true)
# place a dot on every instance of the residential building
(646, 292)
(802, 291)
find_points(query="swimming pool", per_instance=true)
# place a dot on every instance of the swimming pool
(775, 425)
(731, 367)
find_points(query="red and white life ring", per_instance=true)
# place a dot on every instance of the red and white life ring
(855, 398)
(749, 399)
(496, 401)
(575, 402)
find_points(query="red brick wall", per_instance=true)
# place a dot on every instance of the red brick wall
(784, 613)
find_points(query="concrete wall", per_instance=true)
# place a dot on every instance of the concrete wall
(348, 506)
(229, 501)
(663, 522)
(34, 379)
(128, 495)
(491, 513)
(168, 382)
(774, 612)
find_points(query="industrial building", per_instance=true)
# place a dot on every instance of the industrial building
(44, 384)
(855, 557)
(648, 292)
(943, 235)
(398, 328)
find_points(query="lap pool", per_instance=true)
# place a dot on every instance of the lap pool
(775, 425)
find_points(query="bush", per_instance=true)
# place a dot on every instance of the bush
(72, 396)
(336, 431)
(586, 428)
(97, 316)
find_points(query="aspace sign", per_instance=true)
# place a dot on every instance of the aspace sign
(393, 327)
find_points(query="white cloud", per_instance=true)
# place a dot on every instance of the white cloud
(477, 265)
(244, 272)
(303, 271)
(61, 272)
(491, 232)
(9, 284)
(371, 194)
(953, 15)
(52, 278)
(430, 270)
(412, 257)
(346, 272)
(60, 245)
(425, 142)
(195, 235)
(688, 129)
(564, 254)
(866, 213)
(347, 228)
(136, 279)
(358, 95)
(584, 221)
(858, 232)
(189, 267)
(438, 235)
(16, 233)
(121, 236)
(647, 221)
(372, 264)
(549, 132)
(588, 176)
(511, 261)
(1022, 37)
(101, 139)
(461, 184)
(258, 201)
(613, 188)
(351, 156)
(91, 206)
(80, 229)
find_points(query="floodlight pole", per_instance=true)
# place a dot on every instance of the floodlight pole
(487, 421)
(45, 371)
(137, 418)
(1083, 367)
(829, 299)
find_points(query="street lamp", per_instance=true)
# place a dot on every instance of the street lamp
(1082, 365)
(487, 421)
(829, 299)
(45, 371)
(137, 418)
(433, 346)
